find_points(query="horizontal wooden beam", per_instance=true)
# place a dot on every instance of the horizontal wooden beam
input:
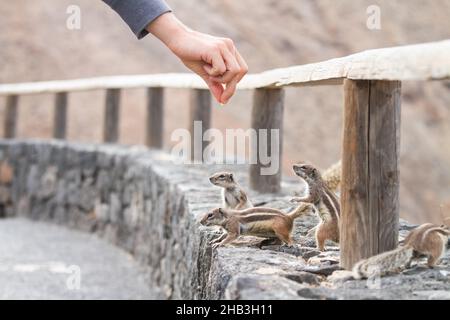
(428, 61)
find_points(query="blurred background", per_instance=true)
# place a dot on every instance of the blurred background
(35, 45)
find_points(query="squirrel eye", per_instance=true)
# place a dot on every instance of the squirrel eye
(210, 215)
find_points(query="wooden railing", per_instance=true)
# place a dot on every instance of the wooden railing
(371, 135)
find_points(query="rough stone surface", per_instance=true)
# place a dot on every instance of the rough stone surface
(142, 202)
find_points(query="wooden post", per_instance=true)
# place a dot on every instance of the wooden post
(60, 116)
(370, 169)
(155, 118)
(267, 113)
(112, 110)
(200, 109)
(10, 124)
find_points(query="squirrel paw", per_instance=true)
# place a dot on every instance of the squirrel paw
(295, 200)
(311, 233)
(215, 246)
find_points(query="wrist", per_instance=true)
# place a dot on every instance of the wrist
(168, 29)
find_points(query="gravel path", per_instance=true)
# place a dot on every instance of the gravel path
(44, 261)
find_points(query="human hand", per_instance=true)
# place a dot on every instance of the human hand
(216, 60)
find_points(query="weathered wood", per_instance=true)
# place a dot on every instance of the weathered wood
(427, 61)
(10, 124)
(155, 118)
(370, 169)
(60, 116)
(112, 112)
(200, 121)
(267, 113)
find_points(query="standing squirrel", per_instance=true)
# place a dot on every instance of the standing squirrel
(427, 239)
(324, 200)
(233, 196)
(259, 221)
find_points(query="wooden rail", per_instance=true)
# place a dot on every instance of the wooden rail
(371, 136)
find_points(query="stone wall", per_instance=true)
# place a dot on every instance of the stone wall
(132, 197)
(139, 200)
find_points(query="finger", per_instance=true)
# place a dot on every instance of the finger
(215, 65)
(208, 69)
(228, 76)
(231, 47)
(231, 64)
(243, 65)
(216, 89)
(230, 89)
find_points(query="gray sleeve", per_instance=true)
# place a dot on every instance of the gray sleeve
(138, 13)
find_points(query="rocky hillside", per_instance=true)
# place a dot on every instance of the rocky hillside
(36, 45)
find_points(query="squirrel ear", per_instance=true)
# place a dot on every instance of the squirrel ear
(221, 211)
(231, 176)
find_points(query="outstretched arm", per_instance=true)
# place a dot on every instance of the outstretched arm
(139, 13)
(216, 60)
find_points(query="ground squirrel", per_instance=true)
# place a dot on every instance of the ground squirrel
(233, 196)
(259, 221)
(426, 240)
(325, 201)
(332, 176)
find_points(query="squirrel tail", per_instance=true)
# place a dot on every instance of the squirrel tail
(442, 230)
(302, 209)
(383, 263)
(332, 176)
